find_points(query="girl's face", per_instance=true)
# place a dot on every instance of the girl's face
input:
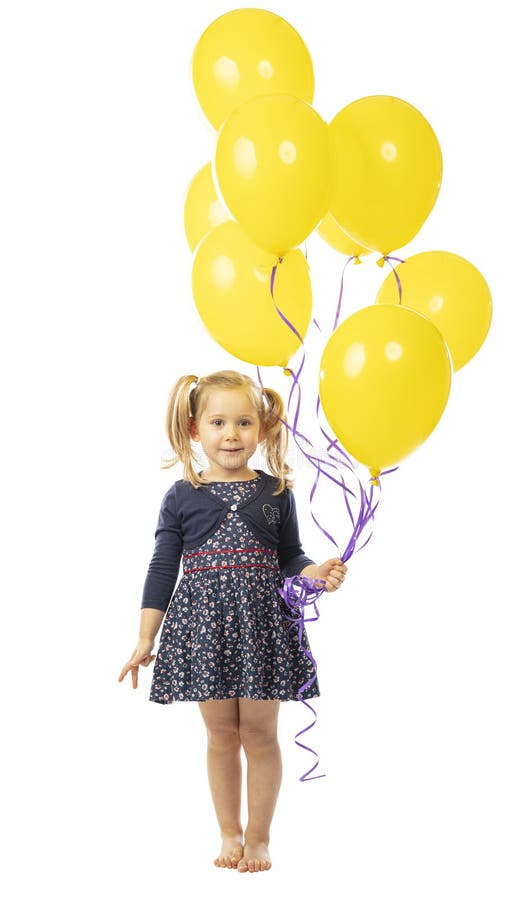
(229, 431)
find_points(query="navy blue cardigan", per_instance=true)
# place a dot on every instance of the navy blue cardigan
(189, 516)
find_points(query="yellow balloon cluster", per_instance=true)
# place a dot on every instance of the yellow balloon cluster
(365, 182)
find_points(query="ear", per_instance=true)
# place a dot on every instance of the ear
(194, 434)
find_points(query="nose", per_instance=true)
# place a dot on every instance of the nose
(231, 432)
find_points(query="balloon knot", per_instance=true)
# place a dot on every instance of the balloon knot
(357, 261)
(381, 262)
(287, 372)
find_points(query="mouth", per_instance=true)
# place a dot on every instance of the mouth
(237, 450)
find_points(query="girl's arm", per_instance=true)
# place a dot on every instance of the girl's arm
(150, 623)
(291, 555)
(159, 584)
(292, 558)
(165, 563)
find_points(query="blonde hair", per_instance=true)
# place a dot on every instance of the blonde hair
(187, 401)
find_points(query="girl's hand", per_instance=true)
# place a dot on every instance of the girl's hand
(140, 657)
(332, 570)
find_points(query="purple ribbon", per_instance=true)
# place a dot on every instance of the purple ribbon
(298, 591)
(398, 280)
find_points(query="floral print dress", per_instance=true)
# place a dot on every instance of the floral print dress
(225, 633)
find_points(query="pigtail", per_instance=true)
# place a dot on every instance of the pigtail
(276, 439)
(179, 418)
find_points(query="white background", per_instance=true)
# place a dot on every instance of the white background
(417, 726)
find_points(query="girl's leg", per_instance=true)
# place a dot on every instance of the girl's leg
(258, 721)
(225, 774)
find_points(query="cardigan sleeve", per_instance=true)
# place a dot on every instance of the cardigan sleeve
(164, 566)
(291, 557)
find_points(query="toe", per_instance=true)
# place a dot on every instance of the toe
(236, 855)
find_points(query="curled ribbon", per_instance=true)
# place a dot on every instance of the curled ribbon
(299, 591)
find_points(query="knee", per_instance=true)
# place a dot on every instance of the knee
(223, 738)
(256, 739)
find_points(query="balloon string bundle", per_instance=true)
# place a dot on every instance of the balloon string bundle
(299, 592)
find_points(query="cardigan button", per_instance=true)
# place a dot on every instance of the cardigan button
(234, 507)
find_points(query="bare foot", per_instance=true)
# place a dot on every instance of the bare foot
(255, 857)
(231, 852)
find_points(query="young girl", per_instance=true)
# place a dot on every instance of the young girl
(225, 641)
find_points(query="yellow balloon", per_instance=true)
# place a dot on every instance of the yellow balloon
(337, 237)
(385, 377)
(388, 171)
(231, 281)
(451, 292)
(245, 53)
(203, 209)
(273, 168)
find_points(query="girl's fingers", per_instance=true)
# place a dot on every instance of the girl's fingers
(335, 580)
(134, 668)
(124, 672)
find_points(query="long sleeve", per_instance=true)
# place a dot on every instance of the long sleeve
(291, 557)
(164, 566)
